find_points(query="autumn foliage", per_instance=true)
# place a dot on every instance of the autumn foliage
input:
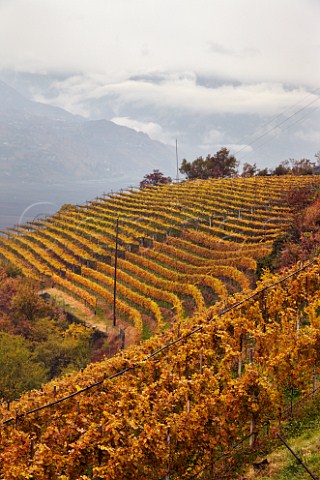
(178, 412)
(176, 405)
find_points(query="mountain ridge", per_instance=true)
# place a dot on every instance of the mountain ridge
(39, 142)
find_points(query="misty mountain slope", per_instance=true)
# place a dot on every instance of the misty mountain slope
(39, 142)
(11, 101)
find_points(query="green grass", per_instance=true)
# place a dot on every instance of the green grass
(146, 331)
(302, 434)
(284, 466)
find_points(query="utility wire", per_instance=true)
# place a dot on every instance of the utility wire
(277, 125)
(246, 437)
(269, 122)
(285, 128)
(156, 352)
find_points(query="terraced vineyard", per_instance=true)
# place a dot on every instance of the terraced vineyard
(191, 403)
(181, 247)
(197, 400)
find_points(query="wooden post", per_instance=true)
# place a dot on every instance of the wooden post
(188, 398)
(32, 448)
(315, 378)
(250, 355)
(16, 418)
(252, 434)
(122, 338)
(298, 321)
(240, 356)
(100, 453)
(168, 443)
(115, 276)
(263, 308)
(155, 376)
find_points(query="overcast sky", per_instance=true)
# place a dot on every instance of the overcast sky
(201, 57)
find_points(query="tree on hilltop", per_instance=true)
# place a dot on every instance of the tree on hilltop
(219, 165)
(154, 178)
(249, 170)
(304, 166)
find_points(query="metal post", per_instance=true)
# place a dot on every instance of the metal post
(115, 276)
(167, 477)
(177, 160)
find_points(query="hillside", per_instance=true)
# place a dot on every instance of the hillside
(232, 355)
(181, 247)
(183, 405)
(39, 142)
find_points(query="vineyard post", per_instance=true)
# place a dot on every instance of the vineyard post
(154, 373)
(250, 355)
(115, 276)
(168, 443)
(122, 338)
(252, 433)
(32, 448)
(240, 355)
(315, 386)
(188, 396)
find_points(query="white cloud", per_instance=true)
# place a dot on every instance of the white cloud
(236, 148)
(312, 136)
(265, 41)
(181, 91)
(153, 129)
(212, 138)
(260, 58)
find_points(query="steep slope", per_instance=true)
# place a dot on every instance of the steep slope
(192, 402)
(184, 405)
(181, 247)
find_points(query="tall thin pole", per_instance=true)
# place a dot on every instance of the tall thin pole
(115, 276)
(177, 160)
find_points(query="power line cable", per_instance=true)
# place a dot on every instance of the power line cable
(279, 115)
(156, 352)
(277, 125)
(285, 128)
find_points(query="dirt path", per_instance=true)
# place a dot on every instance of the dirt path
(103, 322)
(70, 304)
